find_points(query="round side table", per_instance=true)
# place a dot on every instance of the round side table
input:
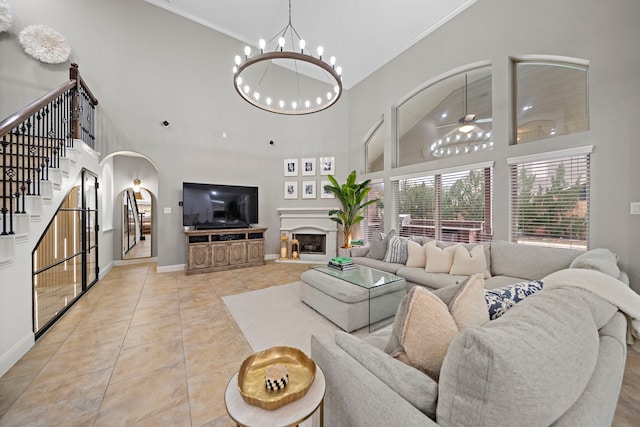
(291, 414)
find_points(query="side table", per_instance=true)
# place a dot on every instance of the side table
(291, 414)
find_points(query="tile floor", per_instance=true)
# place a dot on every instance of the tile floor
(143, 348)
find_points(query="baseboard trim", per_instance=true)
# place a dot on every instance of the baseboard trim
(120, 262)
(170, 268)
(14, 354)
(104, 271)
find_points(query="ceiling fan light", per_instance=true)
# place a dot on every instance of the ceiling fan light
(466, 128)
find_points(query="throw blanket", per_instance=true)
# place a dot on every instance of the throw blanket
(608, 288)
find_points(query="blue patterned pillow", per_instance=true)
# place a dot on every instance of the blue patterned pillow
(397, 251)
(501, 299)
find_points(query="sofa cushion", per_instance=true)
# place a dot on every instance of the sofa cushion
(416, 387)
(377, 264)
(378, 244)
(495, 282)
(528, 261)
(600, 259)
(396, 250)
(466, 263)
(418, 276)
(536, 352)
(502, 299)
(439, 260)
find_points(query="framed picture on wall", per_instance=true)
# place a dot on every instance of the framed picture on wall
(308, 189)
(290, 167)
(308, 166)
(326, 194)
(327, 165)
(290, 189)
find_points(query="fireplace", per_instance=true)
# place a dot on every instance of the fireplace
(312, 243)
(316, 233)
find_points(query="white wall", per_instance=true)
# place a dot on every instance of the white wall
(146, 65)
(605, 34)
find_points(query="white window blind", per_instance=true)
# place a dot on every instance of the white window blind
(374, 214)
(451, 206)
(550, 201)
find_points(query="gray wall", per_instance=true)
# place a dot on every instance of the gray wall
(607, 34)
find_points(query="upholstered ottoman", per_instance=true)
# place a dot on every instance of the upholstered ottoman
(355, 298)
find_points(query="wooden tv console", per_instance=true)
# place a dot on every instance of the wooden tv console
(224, 249)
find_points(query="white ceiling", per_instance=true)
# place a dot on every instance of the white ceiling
(362, 34)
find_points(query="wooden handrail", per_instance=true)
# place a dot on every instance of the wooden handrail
(30, 109)
(74, 74)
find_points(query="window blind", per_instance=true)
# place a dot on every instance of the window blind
(374, 214)
(550, 201)
(452, 206)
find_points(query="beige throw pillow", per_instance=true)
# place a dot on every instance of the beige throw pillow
(439, 260)
(417, 253)
(426, 322)
(469, 307)
(466, 263)
(427, 332)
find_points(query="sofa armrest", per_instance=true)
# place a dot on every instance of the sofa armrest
(359, 251)
(356, 397)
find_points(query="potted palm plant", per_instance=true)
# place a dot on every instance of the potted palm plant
(352, 198)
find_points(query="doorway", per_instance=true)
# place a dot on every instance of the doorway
(136, 223)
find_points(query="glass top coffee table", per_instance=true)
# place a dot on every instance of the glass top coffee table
(378, 293)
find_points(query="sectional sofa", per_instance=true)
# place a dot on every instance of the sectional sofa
(555, 358)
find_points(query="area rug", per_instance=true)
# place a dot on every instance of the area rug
(275, 316)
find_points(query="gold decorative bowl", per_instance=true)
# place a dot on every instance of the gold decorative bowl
(302, 372)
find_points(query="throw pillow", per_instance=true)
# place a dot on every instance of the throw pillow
(600, 259)
(378, 244)
(396, 250)
(502, 299)
(468, 306)
(417, 253)
(427, 332)
(466, 263)
(439, 260)
(426, 322)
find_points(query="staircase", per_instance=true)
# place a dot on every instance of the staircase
(43, 149)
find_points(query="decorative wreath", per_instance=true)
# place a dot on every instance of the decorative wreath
(6, 16)
(45, 44)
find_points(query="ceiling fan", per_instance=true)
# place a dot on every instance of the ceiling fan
(468, 122)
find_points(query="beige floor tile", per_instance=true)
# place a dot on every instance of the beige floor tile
(143, 397)
(206, 394)
(32, 362)
(155, 312)
(144, 358)
(55, 402)
(164, 329)
(78, 361)
(10, 391)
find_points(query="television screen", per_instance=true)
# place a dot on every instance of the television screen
(207, 206)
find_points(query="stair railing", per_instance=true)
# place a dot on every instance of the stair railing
(34, 139)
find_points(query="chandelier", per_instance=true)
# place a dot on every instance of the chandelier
(284, 77)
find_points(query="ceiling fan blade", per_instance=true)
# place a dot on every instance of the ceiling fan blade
(487, 120)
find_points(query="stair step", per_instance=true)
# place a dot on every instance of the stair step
(46, 190)
(7, 249)
(65, 165)
(55, 176)
(33, 205)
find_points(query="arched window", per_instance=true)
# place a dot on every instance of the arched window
(449, 117)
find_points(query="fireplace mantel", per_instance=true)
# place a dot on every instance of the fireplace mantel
(311, 220)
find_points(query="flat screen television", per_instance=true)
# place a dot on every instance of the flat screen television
(210, 206)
